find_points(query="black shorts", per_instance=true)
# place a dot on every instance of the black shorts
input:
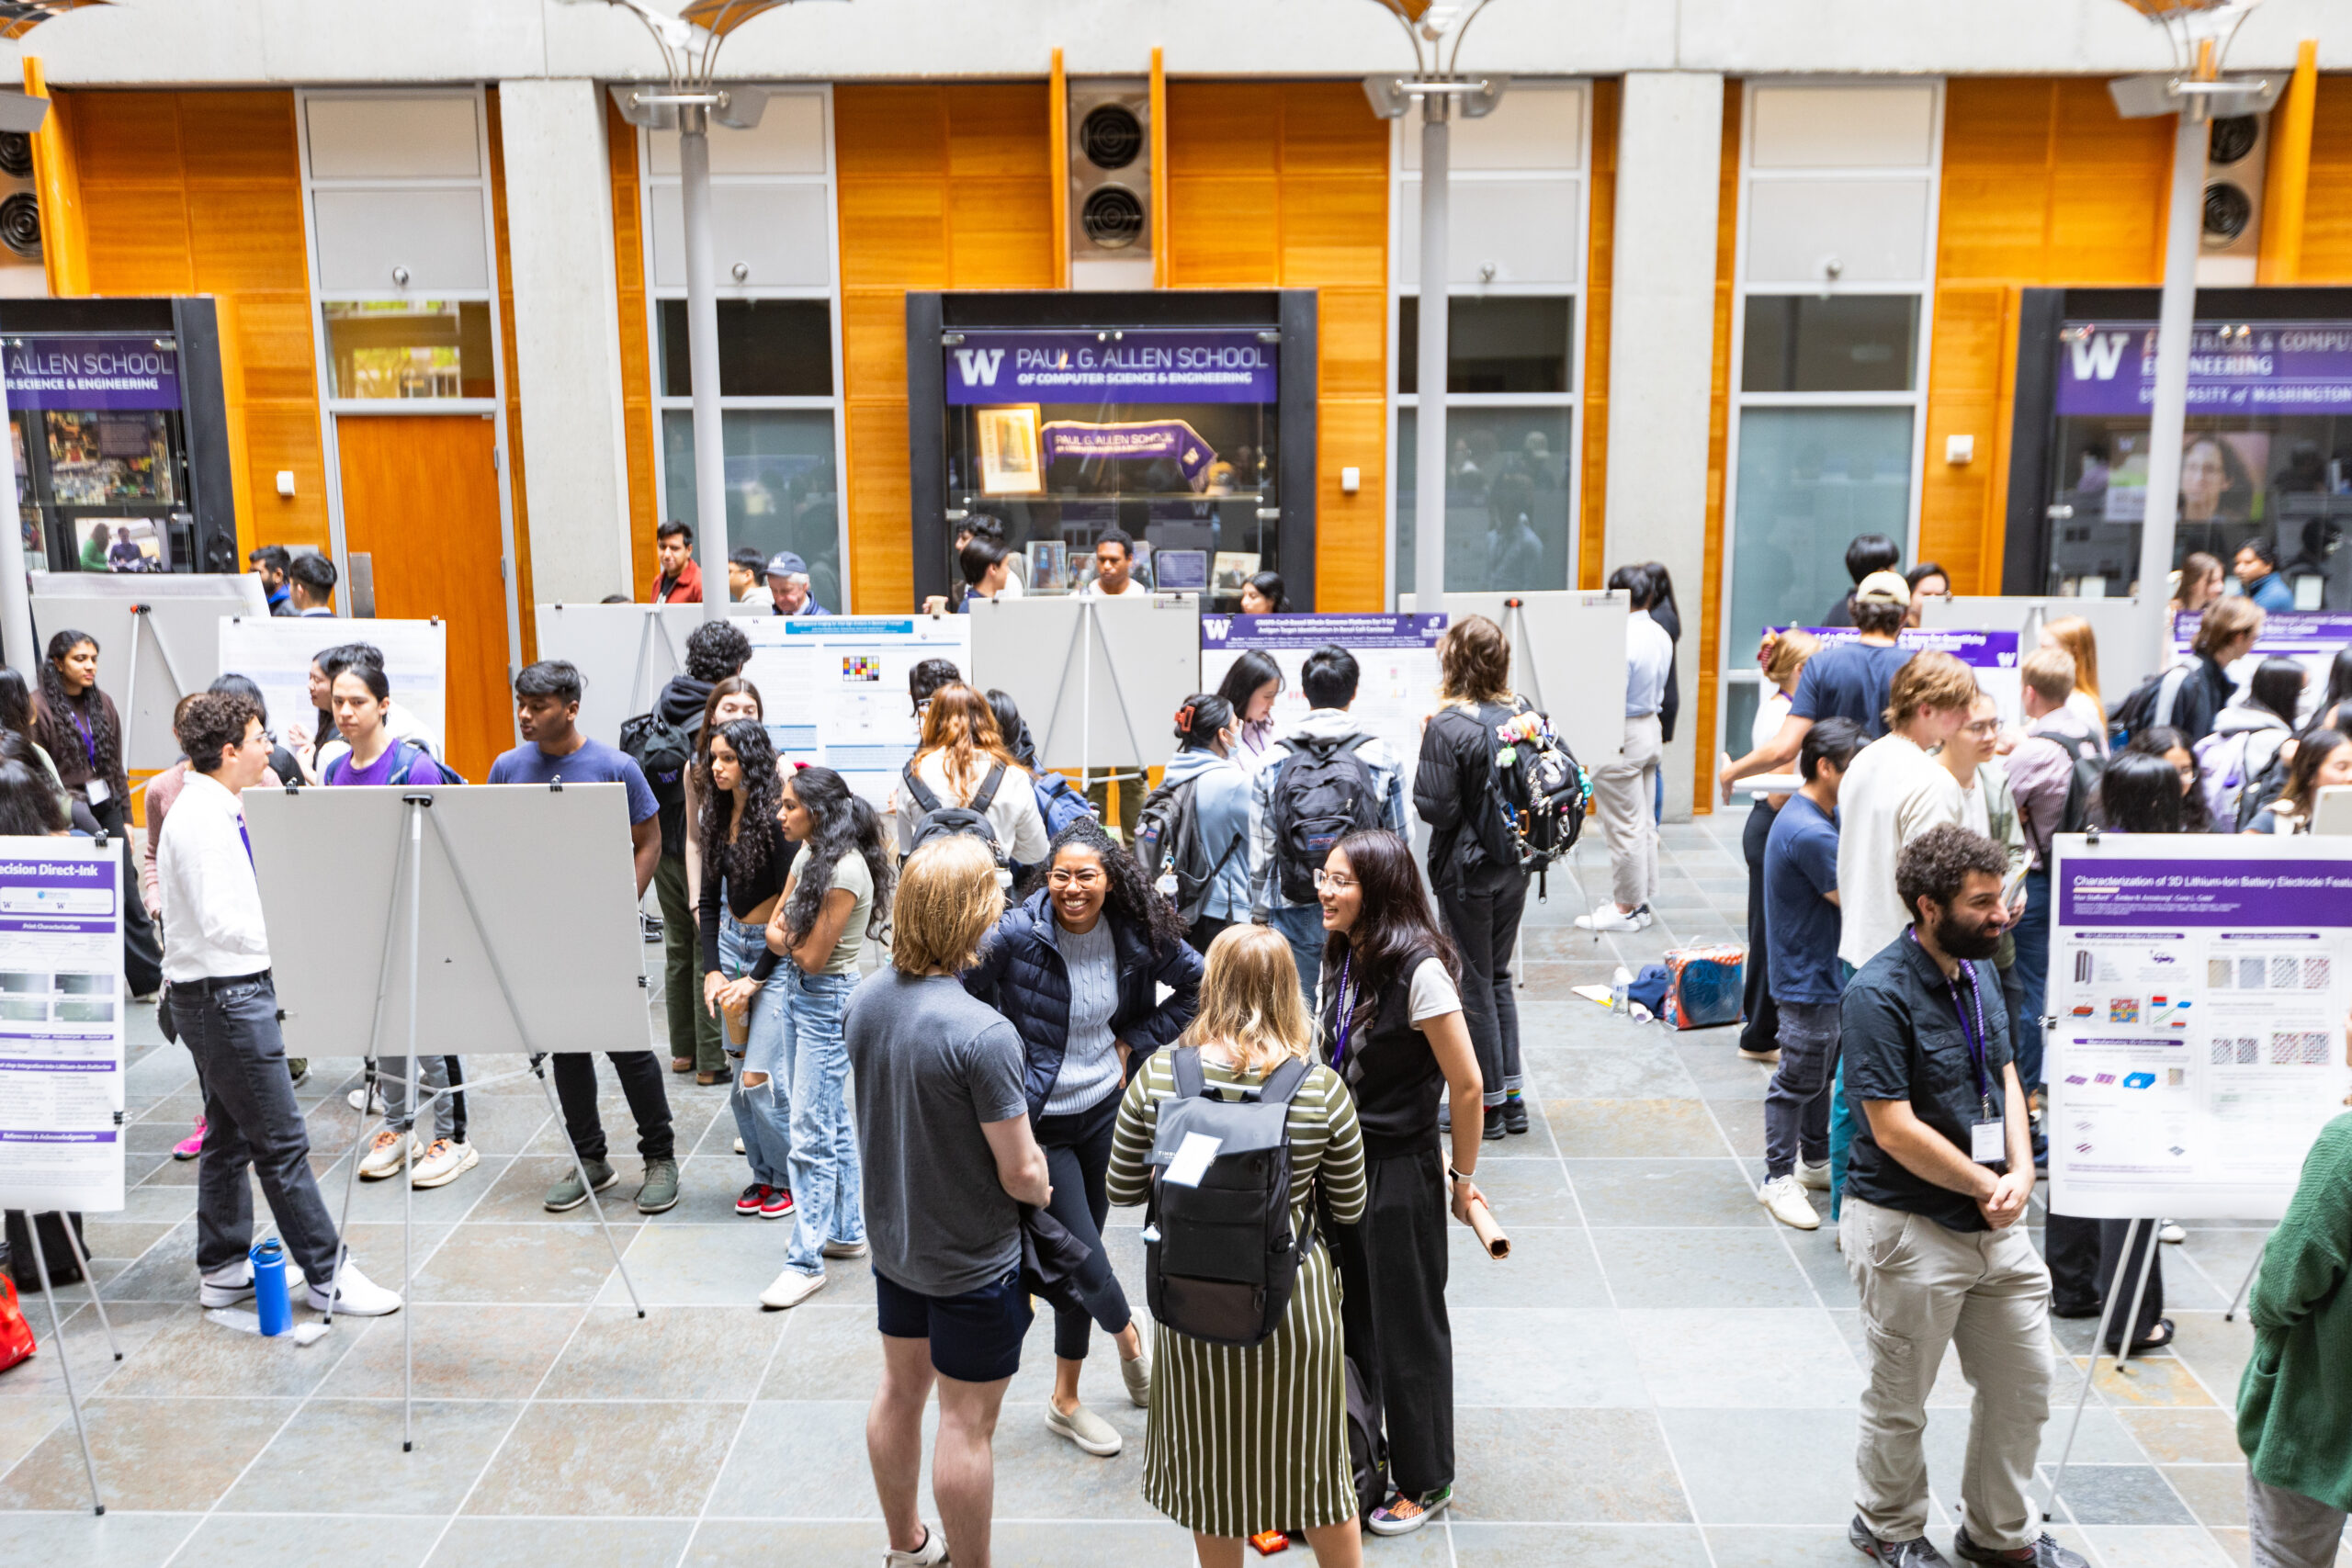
(975, 1337)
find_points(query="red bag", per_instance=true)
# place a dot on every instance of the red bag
(16, 1334)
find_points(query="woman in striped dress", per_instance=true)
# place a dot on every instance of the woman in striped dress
(1241, 1441)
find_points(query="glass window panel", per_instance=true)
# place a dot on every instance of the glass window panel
(782, 493)
(109, 460)
(1501, 343)
(409, 348)
(1848, 342)
(1809, 480)
(1505, 499)
(767, 348)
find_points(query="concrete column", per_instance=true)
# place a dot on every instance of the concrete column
(1661, 361)
(567, 337)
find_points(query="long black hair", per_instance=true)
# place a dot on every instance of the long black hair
(104, 739)
(1243, 678)
(2140, 794)
(760, 837)
(1393, 924)
(2158, 740)
(1201, 720)
(2339, 684)
(845, 821)
(16, 703)
(1132, 899)
(29, 808)
(1270, 586)
(2278, 685)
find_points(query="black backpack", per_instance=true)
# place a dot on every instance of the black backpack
(2146, 705)
(936, 819)
(663, 752)
(1367, 1446)
(1322, 791)
(1169, 847)
(1540, 789)
(1220, 1258)
(2085, 766)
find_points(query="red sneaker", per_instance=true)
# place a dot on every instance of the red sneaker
(778, 1203)
(753, 1200)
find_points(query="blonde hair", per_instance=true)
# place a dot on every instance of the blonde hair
(960, 722)
(1473, 662)
(2050, 672)
(1790, 650)
(947, 902)
(1249, 999)
(2223, 621)
(2074, 634)
(1929, 680)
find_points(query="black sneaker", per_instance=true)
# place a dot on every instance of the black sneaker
(2043, 1553)
(1514, 1115)
(1916, 1552)
(1493, 1131)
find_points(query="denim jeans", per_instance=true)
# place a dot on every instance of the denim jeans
(1796, 1106)
(2032, 971)
(828, 1190)
(763, 1112)
(1302, 925)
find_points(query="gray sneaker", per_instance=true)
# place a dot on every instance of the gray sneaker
(569, 1193)
(1916, 1552)
(660, 1189)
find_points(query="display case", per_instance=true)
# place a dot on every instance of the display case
(1184, 419)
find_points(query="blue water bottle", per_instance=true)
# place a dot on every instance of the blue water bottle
(270, 1302)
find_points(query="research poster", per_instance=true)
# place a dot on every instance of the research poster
(61, 1024)
(1992, 655)
(2200, 990)
(1395, 655)
(274, 653)
(835, 688)
(2310, 637)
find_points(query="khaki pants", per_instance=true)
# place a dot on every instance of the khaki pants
(1924, 1286)
(1621, 789)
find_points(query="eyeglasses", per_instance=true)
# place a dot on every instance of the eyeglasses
(1337, 882)
(1061, 878)
(1981, 726)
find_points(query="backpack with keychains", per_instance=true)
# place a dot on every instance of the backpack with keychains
(1541, 792)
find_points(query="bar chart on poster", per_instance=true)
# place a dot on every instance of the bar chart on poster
(834, 689)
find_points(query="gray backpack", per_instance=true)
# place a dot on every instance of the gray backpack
(1220, 1258)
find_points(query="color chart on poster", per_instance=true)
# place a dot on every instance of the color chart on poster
(61, 1024)
(835, 688)
(2200, 985)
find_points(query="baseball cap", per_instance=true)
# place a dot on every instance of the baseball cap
(789, 565)
(1878, 587)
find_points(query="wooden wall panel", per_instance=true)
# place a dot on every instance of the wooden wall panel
(201, 193)
(2327, 222)
(1600, 271)
(1711, 557)
(526, 593)
(637, 373)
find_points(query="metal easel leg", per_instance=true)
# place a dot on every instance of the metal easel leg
(2247, 1283)
(2139, 1290)
(2106, 1317)
(416, 808)
(73, 1243)
(368, 1079)
(57, 1335)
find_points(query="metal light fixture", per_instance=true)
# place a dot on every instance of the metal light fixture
(1435, 31)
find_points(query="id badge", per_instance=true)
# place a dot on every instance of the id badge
(1988, 1142)
(97, 792)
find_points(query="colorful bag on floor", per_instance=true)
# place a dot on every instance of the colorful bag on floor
(1702, 987)
(16, 1334)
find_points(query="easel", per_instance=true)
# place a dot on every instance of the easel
(640, 700)
(1518, 635)
(143, 628)
(411, 856)
(2131, 1232)
(57, 1334)
(1088, 610)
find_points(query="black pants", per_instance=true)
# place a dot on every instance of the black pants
(1761, 1031)
(640, 1075)
(1485, 925)
(143, 953)
(1205, 932)
(1392, 1306)
(2083, 1255)
(1077, 1157)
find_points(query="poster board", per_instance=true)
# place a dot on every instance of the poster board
(146, 669)
(2310, 637)
(1992, 655)
(2129, 646)
(62, 1026)
(1112, 693)
(274, 653)
(1558, 640)
(1395, 656)
(833, 688)
(554, 881)
(2199, 983)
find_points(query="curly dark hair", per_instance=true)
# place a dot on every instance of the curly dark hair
(1936, 865)
(1392, 925)
(59, 732)
(214, 719)
(1132, 901)
(845, 821)
(760, 839)
(717, 649)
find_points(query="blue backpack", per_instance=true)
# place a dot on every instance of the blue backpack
(1058, 804)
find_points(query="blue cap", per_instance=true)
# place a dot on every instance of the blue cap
(787, 564)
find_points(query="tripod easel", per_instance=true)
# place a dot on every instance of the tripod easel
(142, 629)
(57, 1334)
(2131, 1234)
(639, 698)
(410, 858)
(1086, 637)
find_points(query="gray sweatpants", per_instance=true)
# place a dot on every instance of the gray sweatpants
(1621, 790)
(432, 1072)
(2291, 1530)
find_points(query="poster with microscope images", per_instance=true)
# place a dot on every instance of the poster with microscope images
(2200, 990)
(61, 1024)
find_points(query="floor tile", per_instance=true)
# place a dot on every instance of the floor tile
(346, 1453)
(2214, 1492)
(1665, 1192)
(829, 1352)
(1608, 1073)
(460, 1351)
(646, 1457)
(1565, 1467)
(1700, 1269)
(1634, 1128)
(520, 1263)
(2119, 1495)
(1730, 1357)
(194, 1356)
(1731, 1463)
(2123, 1546)
(1544, 1357)
(476, 1542)
(164, 1454)
(680, 1352)
(806, 1460)
(119, 1538)
(1546, 1546)
(394, 1541)
(2184, 1436)
(1548, 1266)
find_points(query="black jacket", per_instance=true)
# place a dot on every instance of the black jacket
(2201, 698)
(1453, 789)
(1666, 616)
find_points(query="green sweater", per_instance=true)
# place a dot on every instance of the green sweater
(2295, 1401)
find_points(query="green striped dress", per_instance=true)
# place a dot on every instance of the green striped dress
(1240, 1441)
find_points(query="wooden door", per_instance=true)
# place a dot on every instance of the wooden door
(419, 498)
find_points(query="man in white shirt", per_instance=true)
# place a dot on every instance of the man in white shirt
(1892, 794)
(747, 577)
(1622, 787)
(216, 960)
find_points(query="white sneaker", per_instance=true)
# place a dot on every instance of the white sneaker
(228, 1286)
(1089, 1431)
(1136, 1375)
(1610, 918)
(1772, 1057)
(1811, 1177)
(933, 1550)
(738, 1149)
(791, 1288)
(1785, 1202)
(844, 1249)
(366, 1102)
(356, 1295)
(444, 1163)
(2168, 1231)
(387, 1153)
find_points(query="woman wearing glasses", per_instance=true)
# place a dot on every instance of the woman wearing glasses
(1076, 967)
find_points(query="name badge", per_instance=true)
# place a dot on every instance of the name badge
(97, 792)
(1988, 1142)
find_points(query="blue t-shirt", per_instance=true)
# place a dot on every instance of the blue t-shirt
(1801, 926)
(1848, 679)
(594, 762)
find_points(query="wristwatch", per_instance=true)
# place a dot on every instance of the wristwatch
(1452, 1175)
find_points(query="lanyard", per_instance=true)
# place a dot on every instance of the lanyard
(89, 739)
(1974, 1038)
(247, 839)
(1347, 1014)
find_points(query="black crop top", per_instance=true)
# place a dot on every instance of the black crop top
(743, 896)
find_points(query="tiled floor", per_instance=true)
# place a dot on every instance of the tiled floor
(1657, 1370)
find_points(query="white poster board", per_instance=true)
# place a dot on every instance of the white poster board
(1560, 642)
(2199, 983)
(1395, 658)
(1992, 655)
(61, 1024)
(1099, 699)
(2310, 637)
(624, 653)
(833, 688)
(274, 653)
(158, 638)
(2127, 641)
(553, 881)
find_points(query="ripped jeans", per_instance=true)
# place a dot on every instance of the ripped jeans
(763, 1112)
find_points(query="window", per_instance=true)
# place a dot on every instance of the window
(1507, 498)
(409, 348)
(1809, 480)
(783, 490)
(1856, 342)
(767, 348)
(1509, 343)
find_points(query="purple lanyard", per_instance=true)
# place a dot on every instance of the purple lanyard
(1974, 1038)
(89, 739)
(1347, 1014)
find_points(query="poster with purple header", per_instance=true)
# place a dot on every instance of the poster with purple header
(1992, 655)
(61, 1024)
(2310, 637)
(2200, 990)
(105, 374)
(1395, 661)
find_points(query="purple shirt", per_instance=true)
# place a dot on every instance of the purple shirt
(421, 768)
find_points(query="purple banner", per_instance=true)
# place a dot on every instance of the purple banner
(1170, 438)
(2109, 367)
(100, 373)
(1978, 650)
(1190, 365)
(2309, 892)
(2285, 632)
(1313, 631)
(57, 895)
